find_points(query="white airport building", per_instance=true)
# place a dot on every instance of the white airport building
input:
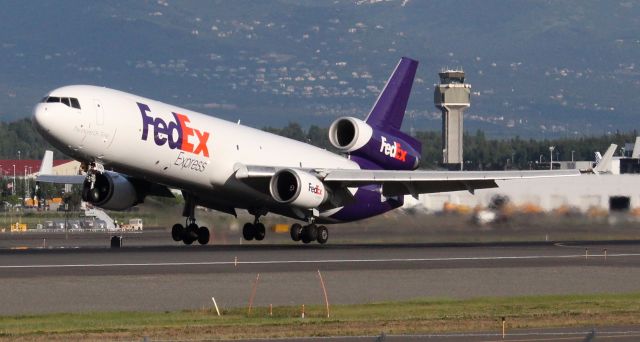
(583, 192)
(614, 185)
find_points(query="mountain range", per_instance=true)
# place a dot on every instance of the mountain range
(537, 68)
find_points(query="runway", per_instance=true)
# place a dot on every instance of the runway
(186, 277)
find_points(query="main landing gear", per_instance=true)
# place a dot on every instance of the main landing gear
(255, 230)
(309, 233)
(190, 232)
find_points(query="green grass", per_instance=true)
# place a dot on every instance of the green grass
(416, 316)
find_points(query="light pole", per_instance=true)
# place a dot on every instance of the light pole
(18, 155)
(13, 185)
(551, 148)
(24, 183)
(572, 155)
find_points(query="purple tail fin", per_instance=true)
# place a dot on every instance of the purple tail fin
(388, 111)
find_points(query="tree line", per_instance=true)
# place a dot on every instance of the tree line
(480, 152)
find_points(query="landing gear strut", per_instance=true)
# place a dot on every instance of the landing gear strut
(190, 232)
(309, 233)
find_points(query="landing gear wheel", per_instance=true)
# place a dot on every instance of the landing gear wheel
(177, 232)
(248, 231)
(296, 231)
(309, 233)
(259, 231)
(203, 235)
(323, 235)
(191, 234)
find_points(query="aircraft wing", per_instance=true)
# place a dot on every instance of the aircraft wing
(395, 183)
(59, 179)
(45, 175)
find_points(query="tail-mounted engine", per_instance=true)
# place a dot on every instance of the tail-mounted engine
(392, 150)
(298, 188)
(111, 191)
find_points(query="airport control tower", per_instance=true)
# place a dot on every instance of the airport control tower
(452, 96)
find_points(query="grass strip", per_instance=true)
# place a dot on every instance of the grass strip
(410, 317)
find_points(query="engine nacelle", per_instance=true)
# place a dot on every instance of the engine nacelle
(298, 188)
(390, 149)
(349, 134)
(111, 191)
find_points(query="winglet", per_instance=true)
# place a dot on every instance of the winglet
(604, 165)
(388, 111)
(46, 168)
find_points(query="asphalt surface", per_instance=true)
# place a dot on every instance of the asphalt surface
(617, 334)
(186, 277)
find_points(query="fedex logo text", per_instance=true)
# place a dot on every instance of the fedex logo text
(315, 189)
(393, 150)
(175, 133)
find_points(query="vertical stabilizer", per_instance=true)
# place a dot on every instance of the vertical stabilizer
(636, 149)
(388, 111)
(604, 165)
(46, 168)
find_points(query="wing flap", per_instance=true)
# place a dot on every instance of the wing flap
(390, 189)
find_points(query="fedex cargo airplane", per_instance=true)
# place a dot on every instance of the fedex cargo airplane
(131, 147)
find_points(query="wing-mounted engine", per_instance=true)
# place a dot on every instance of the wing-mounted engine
(111, 191)
(390, 149)
(298, 188)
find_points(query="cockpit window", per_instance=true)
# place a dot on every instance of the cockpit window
(67, 101)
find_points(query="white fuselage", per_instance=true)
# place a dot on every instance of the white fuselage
(109, 129)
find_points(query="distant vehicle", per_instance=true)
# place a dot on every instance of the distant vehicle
(88, 224)
(74, 225)
(100, 225)
(134, 224)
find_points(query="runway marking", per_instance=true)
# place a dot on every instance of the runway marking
(328, 261)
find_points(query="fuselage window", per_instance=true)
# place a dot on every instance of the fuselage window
(75, 103)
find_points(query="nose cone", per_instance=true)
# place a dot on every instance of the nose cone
(40, 117)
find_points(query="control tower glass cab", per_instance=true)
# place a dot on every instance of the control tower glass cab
(452, 96)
